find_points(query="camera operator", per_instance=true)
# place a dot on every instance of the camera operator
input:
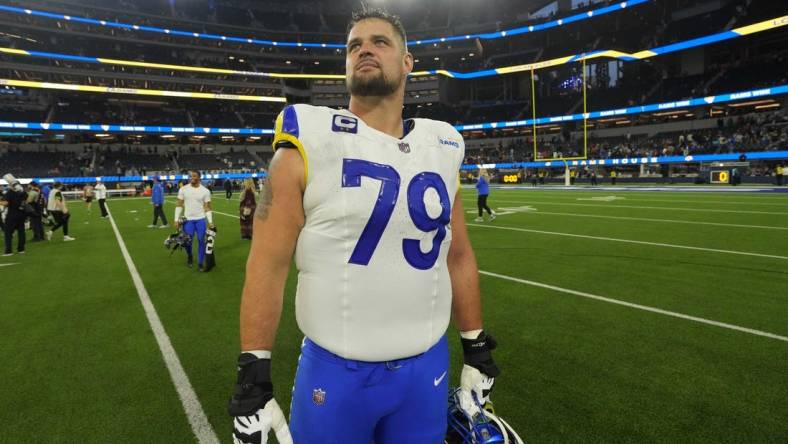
(14, 200)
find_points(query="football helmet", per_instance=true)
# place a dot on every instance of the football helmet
(177, 240)
(483, 427)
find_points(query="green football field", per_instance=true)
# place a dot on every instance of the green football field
(620, 316)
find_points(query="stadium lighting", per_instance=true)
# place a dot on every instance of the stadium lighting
(643, 55)
(490, 35)
(138, 91)
(748, 103)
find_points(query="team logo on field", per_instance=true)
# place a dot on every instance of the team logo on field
(404, 147)
(318, 396)
(344, 124)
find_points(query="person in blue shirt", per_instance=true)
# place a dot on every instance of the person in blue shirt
(157, 199)
(45, 192)
(483, 190)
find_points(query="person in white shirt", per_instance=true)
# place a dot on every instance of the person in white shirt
(56, 205)
(194, 204)
(101, 196)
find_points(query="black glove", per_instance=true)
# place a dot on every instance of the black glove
(253, 387)
(477, 354)
(253, 406)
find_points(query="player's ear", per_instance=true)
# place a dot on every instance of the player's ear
(408, 62)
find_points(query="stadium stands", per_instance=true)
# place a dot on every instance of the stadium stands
(742, 64)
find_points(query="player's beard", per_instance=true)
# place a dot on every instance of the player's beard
(375, 86)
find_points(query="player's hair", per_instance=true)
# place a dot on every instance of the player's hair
(366, 13)
(198, 173)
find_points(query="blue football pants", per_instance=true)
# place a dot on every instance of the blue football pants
(341, 401)
(196, 230)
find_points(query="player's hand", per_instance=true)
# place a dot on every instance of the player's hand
(478, 373)
(253, 406)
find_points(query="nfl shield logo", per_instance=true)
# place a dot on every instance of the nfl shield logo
(404, 147)
(318, 396)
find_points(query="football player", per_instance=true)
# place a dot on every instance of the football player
(194, 203)
(369, 205)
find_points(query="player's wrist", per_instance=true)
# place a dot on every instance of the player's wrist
(253, 388)
(260, 354)
(471, 334)
(477, 352)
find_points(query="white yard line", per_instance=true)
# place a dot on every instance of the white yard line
(702, 210)
(612, 239)
(227, 214)
(780, 202)
(638, 306)
(191, 404)
(784, 202)
(645, 219)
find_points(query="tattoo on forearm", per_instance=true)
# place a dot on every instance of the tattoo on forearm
(266, 196)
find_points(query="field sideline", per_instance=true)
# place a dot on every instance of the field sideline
(621, 317)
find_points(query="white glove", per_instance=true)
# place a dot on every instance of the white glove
(475, 388)
(478, 372)
(254, 429)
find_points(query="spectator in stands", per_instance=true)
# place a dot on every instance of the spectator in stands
(35, 199)
(101, 195)
(14, 200)
(247, 208)
(157, 199)
(59, 209)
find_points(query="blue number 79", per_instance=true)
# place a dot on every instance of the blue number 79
(354, 169)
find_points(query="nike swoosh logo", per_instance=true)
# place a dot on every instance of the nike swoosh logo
(439, 379)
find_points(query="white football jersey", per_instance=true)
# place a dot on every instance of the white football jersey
(194, 199)
(373, 284)
(101, 191)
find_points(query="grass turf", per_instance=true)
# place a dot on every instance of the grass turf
(81, 364)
